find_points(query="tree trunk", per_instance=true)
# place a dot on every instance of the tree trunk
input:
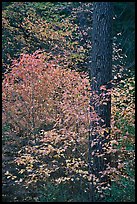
(101, 74)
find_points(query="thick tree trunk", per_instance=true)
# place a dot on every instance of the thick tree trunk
(101, 74)
(101, 67)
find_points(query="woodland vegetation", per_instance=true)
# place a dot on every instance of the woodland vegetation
(46, 112)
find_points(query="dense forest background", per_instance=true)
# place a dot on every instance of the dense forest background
(46, 46)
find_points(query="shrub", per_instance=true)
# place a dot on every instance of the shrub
(37, 93)
(43, 96)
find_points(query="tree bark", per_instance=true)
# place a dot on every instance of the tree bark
(101, 75)
(101, 67)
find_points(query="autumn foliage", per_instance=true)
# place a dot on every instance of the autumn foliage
(46, 118)
(37, 93)
(49, 107)
(25, 31)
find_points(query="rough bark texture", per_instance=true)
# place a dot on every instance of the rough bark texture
(101, 73)
(102, 44)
